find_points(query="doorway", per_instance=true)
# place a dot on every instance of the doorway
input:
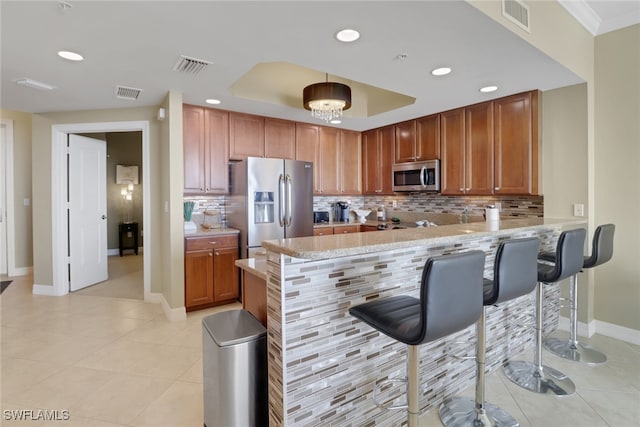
(7, 231)
(59, 173)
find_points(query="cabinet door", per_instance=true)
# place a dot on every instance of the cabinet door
(350, 162)
(346, 229)
(428, 138)
(405, 142)
(216, 129)
(225, 274)
(198, 282)
(479, 149)
(279, 139)
(193, 141)
(386, 148)
(370, 163)
(308, 149)
(246, 136)
(322, 231)
(329, 161)
(516, 144)
(452, 151)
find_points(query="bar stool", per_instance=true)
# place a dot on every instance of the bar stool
(571, 349)
(514, 275)
(450, 300)
(535, 376)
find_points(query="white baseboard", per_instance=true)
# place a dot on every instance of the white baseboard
(603, 328)
(20, 271)
(172, 314)
(47, 290)
(618, 332)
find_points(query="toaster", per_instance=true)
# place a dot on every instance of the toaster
(320, 217)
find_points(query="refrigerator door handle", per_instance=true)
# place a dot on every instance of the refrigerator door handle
(281, 190)
(289, 200)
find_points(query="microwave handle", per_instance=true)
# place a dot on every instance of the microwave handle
(423, 172)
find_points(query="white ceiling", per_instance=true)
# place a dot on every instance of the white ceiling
(136, 44)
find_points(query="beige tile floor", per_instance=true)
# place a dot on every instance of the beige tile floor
(119, 362)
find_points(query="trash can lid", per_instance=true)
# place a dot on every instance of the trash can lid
(233, 327)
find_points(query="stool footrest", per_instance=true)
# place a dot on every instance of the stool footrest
(380, 385)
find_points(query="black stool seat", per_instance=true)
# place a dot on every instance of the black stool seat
(571, 349)
(450, 300)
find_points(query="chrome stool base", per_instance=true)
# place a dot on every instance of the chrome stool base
(543, 379)
(461, 412)
(576, 352)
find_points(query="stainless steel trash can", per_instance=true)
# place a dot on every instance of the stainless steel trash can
(234, 361)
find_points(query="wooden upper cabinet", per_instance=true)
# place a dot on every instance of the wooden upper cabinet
(428, 138)
(405, 141)
(452, 150)
(206, 150)
(377, 160)
(308, 150)
(279, 139)
(516, 144)
(216, 129)
(193, 141)
(350, 154)
(479, 149)
(330, 164)
(418, 140)
(246, 136)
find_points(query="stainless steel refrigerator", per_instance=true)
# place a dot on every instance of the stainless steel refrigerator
(270, 199)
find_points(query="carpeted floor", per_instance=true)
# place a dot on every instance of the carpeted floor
(4, 284)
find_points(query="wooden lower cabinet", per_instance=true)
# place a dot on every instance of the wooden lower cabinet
(339, 229)
(211, 276)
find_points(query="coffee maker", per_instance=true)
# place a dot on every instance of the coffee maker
(341, 212)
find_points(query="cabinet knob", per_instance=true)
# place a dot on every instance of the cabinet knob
(213, 243)
(201, 189)
(217, 253)
(206, 189)
(210, 254)
(462, 190)
(467, 189)
(497, 188)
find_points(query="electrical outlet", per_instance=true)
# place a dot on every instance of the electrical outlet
(578, 209)
(395, 203)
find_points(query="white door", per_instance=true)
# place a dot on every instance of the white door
(87, 211)
(3, 200)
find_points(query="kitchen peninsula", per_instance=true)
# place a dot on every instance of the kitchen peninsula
(324, 364)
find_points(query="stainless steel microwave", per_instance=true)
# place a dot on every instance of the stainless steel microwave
(417, 176)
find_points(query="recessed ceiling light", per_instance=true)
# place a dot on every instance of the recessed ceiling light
(488, 89)
(71, 56)
(442, 71)
(335, 122)
(348, 35)
(212, 101)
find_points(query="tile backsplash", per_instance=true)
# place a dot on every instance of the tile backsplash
(414, 203)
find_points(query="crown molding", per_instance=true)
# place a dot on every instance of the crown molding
(583, 13)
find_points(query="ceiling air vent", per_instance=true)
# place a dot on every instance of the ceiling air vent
(189, 65)
(517, 12)
(124, 92)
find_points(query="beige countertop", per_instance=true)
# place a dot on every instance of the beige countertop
(256, 266)
(331, 246)
(204, 232)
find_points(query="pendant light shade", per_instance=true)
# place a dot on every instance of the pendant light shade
(327, 100)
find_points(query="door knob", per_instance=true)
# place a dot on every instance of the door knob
(103, 217)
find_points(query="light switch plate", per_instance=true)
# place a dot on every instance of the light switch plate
(578, 209)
